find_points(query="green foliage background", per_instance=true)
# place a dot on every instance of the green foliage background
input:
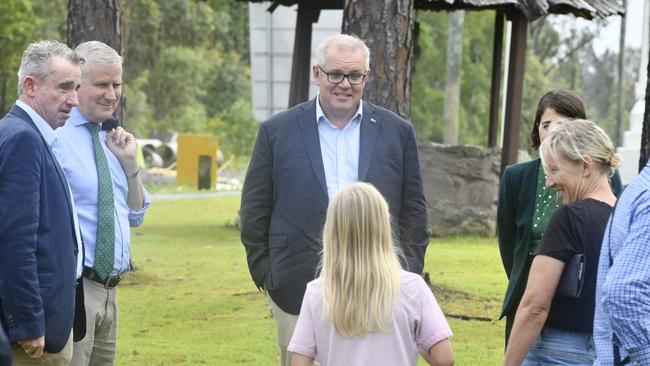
(186, 66)
(558, 56)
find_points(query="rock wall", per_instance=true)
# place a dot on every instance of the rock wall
(461, 185)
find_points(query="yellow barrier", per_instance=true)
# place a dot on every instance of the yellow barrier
(196, 162)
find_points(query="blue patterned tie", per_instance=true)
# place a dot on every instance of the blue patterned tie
(105, 245)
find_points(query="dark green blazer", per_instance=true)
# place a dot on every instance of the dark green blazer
(514, 225)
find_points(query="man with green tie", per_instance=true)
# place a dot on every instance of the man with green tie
(104, 177)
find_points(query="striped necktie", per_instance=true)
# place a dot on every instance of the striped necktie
(105, 244)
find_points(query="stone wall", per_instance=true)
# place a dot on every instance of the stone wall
(461, 186)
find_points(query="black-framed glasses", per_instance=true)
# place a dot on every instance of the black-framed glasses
(336, 77)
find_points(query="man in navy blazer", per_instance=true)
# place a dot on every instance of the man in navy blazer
(38, 245)
(303, 156)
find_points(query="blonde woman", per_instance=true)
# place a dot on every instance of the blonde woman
(553, 326)
(364, 309)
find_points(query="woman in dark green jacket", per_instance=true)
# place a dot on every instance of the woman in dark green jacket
(525, 204)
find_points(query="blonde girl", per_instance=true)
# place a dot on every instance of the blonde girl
(364, 309)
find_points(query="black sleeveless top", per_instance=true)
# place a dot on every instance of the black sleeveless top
(577, 227)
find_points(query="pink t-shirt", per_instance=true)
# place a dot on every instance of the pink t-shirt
(418, 320)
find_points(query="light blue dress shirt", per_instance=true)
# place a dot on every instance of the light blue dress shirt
(339, 149)
(50, 137)
(74, 149)
(623, 290)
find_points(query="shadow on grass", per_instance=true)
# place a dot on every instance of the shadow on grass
(138, 278)
(466, 301)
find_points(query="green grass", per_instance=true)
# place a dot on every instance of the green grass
(192, 302)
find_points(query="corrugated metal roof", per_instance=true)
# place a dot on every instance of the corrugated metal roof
(532, 9)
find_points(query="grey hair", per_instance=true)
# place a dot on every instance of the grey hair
(344, 42)
(37, 60)
(576, 138)
(98, 53)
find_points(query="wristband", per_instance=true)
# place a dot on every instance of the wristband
(134, 174)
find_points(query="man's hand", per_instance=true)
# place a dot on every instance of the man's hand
(122, 145)
(33, 347)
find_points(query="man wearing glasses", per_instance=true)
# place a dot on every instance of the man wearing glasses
(303, 157)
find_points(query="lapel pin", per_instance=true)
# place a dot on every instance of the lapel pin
(373, 120)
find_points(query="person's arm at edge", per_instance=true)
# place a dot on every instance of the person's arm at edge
(414, 235)
(256, 207)
(545, 273)
(631, 269)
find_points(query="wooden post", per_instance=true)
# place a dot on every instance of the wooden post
(515, 90)
(300, 65)
(497, 57)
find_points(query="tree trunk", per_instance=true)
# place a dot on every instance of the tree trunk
(620, 97)
(452, 85)
(387, 28)
(645, 134)
(96, 20)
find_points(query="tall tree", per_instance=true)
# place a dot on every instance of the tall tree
(452, 86)
(94, 20)
(620, 114)
(387, 28)
(16, 29)
(645, 135)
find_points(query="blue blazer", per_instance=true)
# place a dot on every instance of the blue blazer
(38, 248)
(284, 198)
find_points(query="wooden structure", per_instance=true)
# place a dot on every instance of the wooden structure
(519, 12)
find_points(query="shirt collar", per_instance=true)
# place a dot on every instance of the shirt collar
(320, 114)
(76, 118)
(43, 127)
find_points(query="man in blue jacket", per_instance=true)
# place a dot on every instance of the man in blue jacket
(38, 239)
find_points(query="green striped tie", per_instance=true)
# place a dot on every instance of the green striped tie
(105, 244)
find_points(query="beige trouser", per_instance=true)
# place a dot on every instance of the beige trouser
(49, 359)
(284, 323)
(98, 346)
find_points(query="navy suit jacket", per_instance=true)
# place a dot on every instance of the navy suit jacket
(37, 241)
(284, 198)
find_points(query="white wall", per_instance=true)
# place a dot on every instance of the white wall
(271, 50)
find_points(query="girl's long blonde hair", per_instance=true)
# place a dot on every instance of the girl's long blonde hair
(360, 269)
